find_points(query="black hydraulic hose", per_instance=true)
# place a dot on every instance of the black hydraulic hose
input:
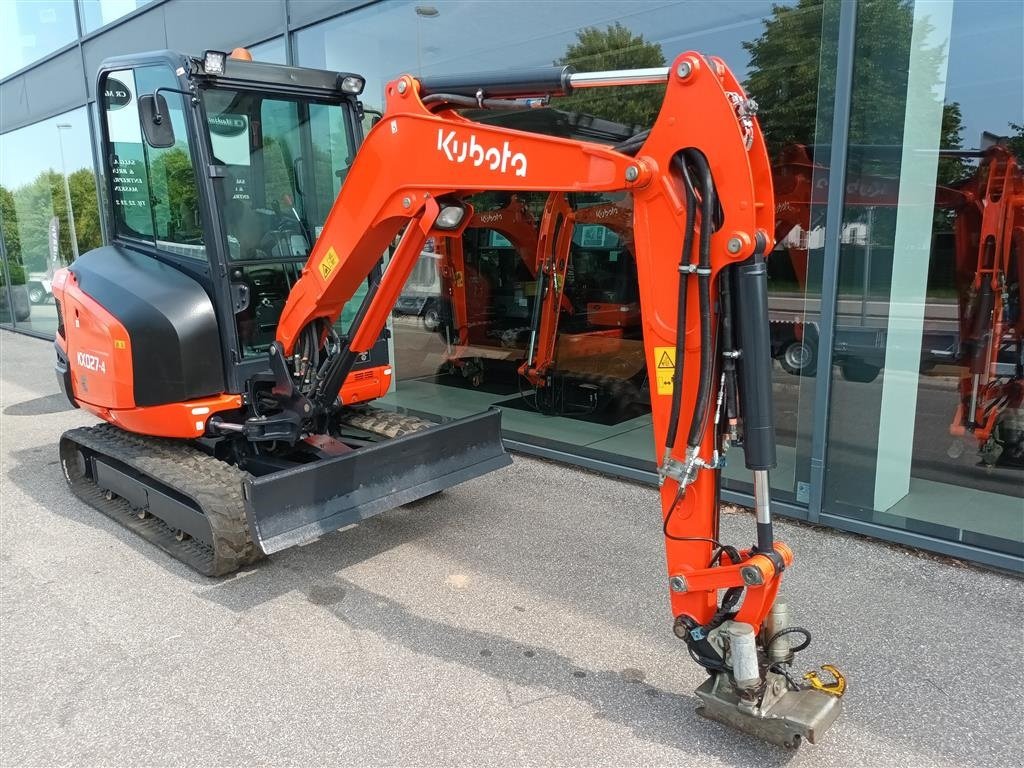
(708, 207)
(632, 145)
(436, 100)
(684, 274)
(728, 341)
(341, 363)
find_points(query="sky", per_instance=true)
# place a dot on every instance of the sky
(28, 151)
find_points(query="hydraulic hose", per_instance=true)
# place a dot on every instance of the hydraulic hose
(684, 264)
(340, 364)
(632, 145)
(446, 100)
(708, 208)
(728, 341)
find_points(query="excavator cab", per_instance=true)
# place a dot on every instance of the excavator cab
(228, 175)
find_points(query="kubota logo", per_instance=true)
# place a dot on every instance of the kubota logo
(460, 150)
(605, 213)
(491, 217)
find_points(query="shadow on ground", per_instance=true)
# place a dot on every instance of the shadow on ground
(39, 406)
(528, 673)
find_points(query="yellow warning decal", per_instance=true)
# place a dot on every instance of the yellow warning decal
(460, 279)
(120, 344)
(666, 368)
(328, 263)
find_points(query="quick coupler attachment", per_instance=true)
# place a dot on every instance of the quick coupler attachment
(773, 711)
(752, 686)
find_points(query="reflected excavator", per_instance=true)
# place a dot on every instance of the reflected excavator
(585, 348)
(988, 235)
(989, 232)
(222, 449)
(470, 286)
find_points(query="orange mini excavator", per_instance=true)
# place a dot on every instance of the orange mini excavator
(468, 288)
(243, 219)
(989, 232)
(585, 333)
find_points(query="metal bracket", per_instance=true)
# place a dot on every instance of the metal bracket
(671, 469)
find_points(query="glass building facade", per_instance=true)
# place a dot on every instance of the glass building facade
(896, 129)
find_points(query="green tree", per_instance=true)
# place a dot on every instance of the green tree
(9, 221)
(86, 206)
(28, 210)
(784, 73)
(1015, 141)
(174, 195)
(785, 79)
(615, 48)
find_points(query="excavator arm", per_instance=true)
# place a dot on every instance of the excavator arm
(703, 217)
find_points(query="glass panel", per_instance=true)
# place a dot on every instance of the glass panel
(285, 161)
(30, 29)
(7, 310)
(464, 322)
(926, 426)
(41, 167)
(272, 51)
(96, 13)
(155, 195)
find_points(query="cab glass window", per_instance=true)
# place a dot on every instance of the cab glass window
(284, 163)
(154, 194)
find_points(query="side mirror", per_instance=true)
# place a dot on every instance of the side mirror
(371, 117)
(156, 121)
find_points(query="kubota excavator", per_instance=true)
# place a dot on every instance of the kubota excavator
(591, 342)
(988, 231)
(468, 290)
(220, 446)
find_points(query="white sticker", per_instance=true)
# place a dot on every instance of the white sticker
(122, 114)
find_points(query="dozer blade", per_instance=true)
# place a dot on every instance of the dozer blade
(298, 505)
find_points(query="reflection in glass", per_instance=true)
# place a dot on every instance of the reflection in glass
(30, 29)
(97, 13)
(43, 168)
(926, 430)
(271, 51)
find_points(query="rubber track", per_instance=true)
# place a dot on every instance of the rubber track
(384, 423)
(215, 488)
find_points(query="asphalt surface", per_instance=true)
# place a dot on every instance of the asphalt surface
(520, 618)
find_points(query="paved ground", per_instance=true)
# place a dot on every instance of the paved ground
(520, 618)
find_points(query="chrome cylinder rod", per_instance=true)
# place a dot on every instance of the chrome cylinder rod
(649, 76)
(975, 384)
(763, 510)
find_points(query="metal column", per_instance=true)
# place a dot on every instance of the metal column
(830, 268)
